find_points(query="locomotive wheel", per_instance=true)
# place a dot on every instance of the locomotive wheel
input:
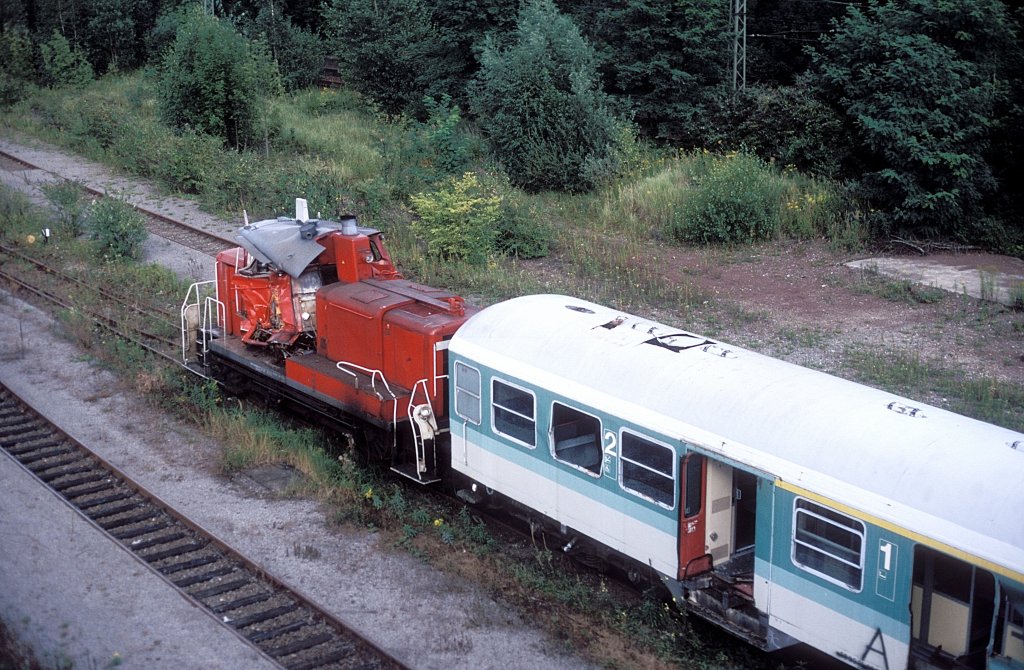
(235, 383)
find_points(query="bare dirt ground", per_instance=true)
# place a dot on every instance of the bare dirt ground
(800, 302)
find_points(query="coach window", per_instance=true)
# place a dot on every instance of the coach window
(693, 485)
(576, 438)
(513, 413)
(648, 469)
(828, 544)
(467, 392)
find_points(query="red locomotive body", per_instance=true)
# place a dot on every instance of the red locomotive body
(316, 311)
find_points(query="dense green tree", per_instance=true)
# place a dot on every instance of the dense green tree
(465, 24)
(299, 53)
(109, 33)
(17, 63)
(393, 51)
(919, 102)
(64, 65)
(164, 31)
(13, 13)
(538, 101)
(669, 59)
(778, 34)
(214, 81)
(787, 125)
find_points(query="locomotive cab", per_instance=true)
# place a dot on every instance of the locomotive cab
(270, 283)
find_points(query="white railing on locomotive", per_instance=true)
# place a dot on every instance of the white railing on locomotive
(423, 422)
(201, 313)
(373, 373)
(422, 417)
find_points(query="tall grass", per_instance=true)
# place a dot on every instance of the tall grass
(704, 198)
(333, 127)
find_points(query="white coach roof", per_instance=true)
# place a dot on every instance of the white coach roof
(955, 480)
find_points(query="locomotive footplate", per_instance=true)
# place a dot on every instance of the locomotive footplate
(317, 377)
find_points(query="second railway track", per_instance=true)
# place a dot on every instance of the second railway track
(282, 623)
(158, 224)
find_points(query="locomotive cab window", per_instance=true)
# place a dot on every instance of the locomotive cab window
(576, 438)
(648, 469)
(513, 413)
(467, 392)
(828, 544)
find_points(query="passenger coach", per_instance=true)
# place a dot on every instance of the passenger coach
(785, 504)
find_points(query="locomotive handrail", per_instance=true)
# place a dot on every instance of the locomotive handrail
(419, 442)
(213, 303)
(202, 312)
(426, 396)
(372, 372)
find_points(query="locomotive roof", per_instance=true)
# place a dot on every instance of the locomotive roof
(929, 471)
(290, 244)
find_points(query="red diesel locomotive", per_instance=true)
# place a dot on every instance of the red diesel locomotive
(314, 313)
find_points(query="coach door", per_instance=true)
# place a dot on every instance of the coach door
(692, 552)
(952, 607)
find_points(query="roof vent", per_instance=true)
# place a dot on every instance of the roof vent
(301, 210)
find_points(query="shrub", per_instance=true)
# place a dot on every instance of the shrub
(737, 200)
(520, 232)
(192, 163)
(449, 146)
(540, 105)
(97, 120)
(787, 125)
(459, 220)
(66, 197)
(213, 81)
(63, 66)
(116, 229)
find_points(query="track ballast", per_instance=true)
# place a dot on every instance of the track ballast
(283, 624)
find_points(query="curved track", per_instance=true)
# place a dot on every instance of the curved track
(282, 623)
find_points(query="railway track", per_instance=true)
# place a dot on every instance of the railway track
(157, 223)
(149, 328)
(283, 624)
